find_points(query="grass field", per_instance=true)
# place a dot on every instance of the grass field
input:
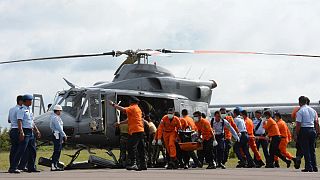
(4, 157)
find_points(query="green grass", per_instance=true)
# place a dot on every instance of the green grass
(47, 152)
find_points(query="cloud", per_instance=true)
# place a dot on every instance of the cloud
(35, 29)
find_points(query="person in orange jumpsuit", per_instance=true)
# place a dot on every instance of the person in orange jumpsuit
(204, 129)
(272, 129)
(228, 134)
(136, 133)
(190, 125)
(252, 140)
(285, 135)
(168, 130)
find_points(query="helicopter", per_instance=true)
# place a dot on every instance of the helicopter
(89, 120)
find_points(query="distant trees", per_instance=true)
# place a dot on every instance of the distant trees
(4, 139)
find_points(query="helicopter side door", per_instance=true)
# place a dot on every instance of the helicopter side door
(91, 119)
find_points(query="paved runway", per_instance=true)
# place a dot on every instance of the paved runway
(154, 174)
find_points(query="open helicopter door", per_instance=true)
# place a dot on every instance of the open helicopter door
(91, 118)
(111, 115)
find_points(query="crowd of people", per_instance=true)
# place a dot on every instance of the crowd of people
(267, 130)
(180, 137)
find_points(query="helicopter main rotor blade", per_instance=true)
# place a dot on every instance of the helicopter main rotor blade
(237, 52)
(111, 53)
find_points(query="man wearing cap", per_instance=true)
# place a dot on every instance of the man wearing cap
(27, 140)
(307, 123)
(14, 132)
(59, 136)
(136, 133)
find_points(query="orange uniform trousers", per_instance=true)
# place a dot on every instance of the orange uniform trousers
(169, 139)
(283, 149)
(253, 147)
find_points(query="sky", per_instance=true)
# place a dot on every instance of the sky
(39, 28)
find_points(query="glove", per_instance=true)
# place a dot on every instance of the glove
(214, 143)
(159, 142)
(238, 139)
(154, 142)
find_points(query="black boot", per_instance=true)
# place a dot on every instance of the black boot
(276, 164)
(297, 162)
(259, 164)
(211, 166)
(133, 167)
(288, 162)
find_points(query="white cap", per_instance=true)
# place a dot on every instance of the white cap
(57, 108)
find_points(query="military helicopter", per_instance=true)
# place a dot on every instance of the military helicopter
(89, 120)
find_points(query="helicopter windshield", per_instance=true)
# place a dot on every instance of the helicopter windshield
(70, 102)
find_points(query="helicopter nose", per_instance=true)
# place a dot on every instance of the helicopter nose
(43, 123)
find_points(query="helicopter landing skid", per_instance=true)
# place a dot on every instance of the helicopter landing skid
(110, 153)
(79, 165)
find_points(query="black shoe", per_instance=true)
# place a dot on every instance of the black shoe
(315, 169)
(23, 170)
(269, 166)
(288, 163)
(170, 166)
(306, 170)
(260, 163)
(211, 166)
(186, 166)
(294, 163)
(143, 167)
(14, 171)
(133, 167)
(33, 171)
(297, 163)
(241, 165)
(222, 166)
(251, 165)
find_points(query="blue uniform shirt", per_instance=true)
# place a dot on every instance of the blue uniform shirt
(240, 124)
(56, 124)
(306, 116)
(12, 118)
(260, 130)
(26, 116)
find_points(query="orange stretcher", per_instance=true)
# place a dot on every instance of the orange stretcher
(190, 146)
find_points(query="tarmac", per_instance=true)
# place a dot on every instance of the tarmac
(154, 174)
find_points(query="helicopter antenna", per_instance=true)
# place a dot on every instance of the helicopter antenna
(185, 76)
(69, 83)
(202, 73)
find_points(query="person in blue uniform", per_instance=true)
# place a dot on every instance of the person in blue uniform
(27, 140)
(14, 132)
(307, 120)
(59, 136)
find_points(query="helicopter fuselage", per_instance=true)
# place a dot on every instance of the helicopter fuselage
(89, 120)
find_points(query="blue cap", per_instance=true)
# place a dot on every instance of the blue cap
(239, 108)
(27, 97)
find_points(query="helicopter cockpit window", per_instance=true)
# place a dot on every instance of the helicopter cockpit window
(71, 103)
(91, 107)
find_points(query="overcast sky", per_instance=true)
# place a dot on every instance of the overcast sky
(35, 28)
